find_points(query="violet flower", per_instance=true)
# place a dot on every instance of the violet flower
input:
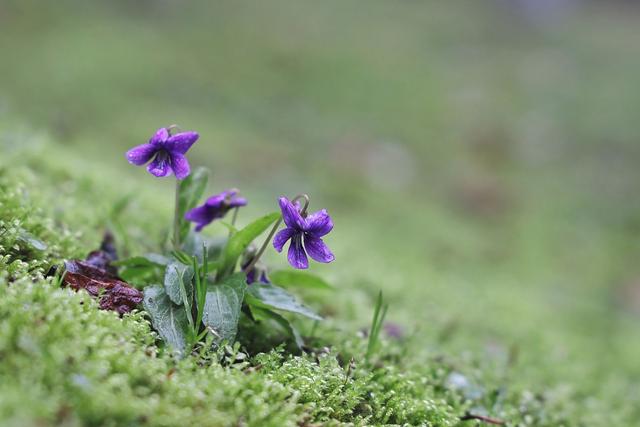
(254, 276)
(167, 151)
(308, 228)
(257, 274)
(394, 330)
(215, 207)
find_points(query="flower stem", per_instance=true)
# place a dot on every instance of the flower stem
(303, 211)
(176, 219)
(200, 293)
(233, 221)
(272, 233)
(257, 256)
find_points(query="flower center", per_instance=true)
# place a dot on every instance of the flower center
(163, 156)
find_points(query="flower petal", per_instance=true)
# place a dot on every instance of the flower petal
(257, 274)
(159, 137)
(281, 238)
(319, 224)
(216, 201)
(297, 256)
(201, 216)
(317, 249)
(180, 165)
(236, 202)
(161, 165)
(290, 214)
(264, 278)
(181, 142)
(141, 154)
(251, 276)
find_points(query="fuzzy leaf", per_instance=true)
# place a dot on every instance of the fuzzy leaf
(222, 306)
(189, 193)
(176, 273)
(239, 242)
(273, 297)
(167, 318)
(296, 278)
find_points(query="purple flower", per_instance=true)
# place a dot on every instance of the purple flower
(258, 272)
(394, 330)
(255, 276)
(214, 208)
(310, 229)
(167, 151)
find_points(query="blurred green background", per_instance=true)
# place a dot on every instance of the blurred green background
(480, 158)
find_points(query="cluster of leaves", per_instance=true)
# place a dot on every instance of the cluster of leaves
(197, 290)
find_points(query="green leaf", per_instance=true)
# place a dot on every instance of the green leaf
(157, 259)
(177, 275)
(222, 306)
(149, 260)
(273, 297)
(232, 229)
(296, 278)
(142, 269)
(167, 318)
(195, 242)
(239, 242)
(261, 313)
(140, 276)
(189, 193)
(182, 256)
(379, 314)
(31, 240)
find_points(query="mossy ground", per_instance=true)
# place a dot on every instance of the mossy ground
(481, 171)
(64, 362)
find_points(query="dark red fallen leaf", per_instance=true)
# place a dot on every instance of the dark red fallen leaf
(100, 279)
(114, 293)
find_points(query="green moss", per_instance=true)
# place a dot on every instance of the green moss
(29, 240)
(64, 362)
